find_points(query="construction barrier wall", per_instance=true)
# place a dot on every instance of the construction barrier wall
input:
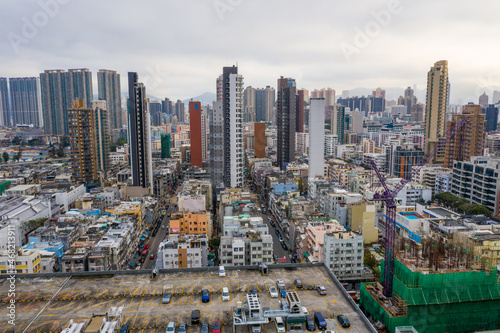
(448, 302)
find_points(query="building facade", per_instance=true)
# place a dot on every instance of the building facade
(195, 130)
(316, 137)
(139, 133)
(26, 101)
(435, 109)
(468, 140)
(285, 121)
(109, 90)
(82, 134)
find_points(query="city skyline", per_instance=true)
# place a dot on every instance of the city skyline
(342, 57)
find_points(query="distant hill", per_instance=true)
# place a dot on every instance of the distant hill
(205, 98)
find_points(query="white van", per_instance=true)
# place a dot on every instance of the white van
(280, 324)
(225, 294)
(222, 271)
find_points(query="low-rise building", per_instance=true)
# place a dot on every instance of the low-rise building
(344, 253)
(26, 261)
(183, 251)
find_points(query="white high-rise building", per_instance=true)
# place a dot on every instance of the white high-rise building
(316, 137)
(331, 143)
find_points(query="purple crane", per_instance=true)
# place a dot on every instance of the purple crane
(388, 197)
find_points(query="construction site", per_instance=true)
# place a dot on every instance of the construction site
(437, 287)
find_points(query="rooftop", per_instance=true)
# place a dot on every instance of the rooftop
(85, 294)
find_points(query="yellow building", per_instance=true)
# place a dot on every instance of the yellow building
(361, 217)
(191, 224)
(484, 244)
(128, 208)
(27, 261)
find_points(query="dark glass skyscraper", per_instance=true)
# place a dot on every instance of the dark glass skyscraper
(139, 133)
(285, 121)
(491, 118)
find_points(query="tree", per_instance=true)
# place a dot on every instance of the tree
(214, 242)
(19, 154)
(5, 156)
(17, 140)
(65, 141)
(60, 152)
(481, 210)
(31, 225)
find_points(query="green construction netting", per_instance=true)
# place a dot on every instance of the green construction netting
(450, 302)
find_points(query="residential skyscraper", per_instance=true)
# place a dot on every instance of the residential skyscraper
(496, 97)
(102, 135)
(417, 112)
(491, 118)
(249, 104)
(316, 137)
(226, 131)
(436, 105)
(327, 93)
(166, 106)
(109, 90)
(139, 133)
(483, 100)
(299, 116)
(180, 112)
(26, 100)
(54, 102)
(409, 99)
(4, 103)
(80, 86)
(338, 122)
(259, 140)
(82, 135)
(59, 90)
(196, 133)
(264, 104)
(232, 84)
(216, 124)
(468, 141)
(285, 121)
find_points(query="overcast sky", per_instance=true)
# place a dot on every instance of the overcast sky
(179, 47)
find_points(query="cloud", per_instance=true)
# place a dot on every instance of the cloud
(186, 43)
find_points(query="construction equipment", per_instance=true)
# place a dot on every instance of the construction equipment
(388, 197)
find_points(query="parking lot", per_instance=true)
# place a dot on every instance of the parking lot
(141, 298)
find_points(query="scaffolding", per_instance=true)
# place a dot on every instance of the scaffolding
(437, 297)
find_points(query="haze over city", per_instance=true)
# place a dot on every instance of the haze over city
(177, 47)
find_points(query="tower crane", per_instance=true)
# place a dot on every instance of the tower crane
(388, 197)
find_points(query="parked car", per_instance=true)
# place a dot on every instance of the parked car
(320, 321)
(273, 292)
(283, 245)
(310, 325)
(125, 329)
(283, 292)
(182, 328)
(225, 294)
(216, 326)
(152, 256)
(343, 321)
(256, 328)
(195, 317)
(222, 271)
(205, 296)
(278, 233)
(321, 290)
(298, 284)
(171, 327)
(280, 324)
(204, 328)
(280, 283)
(167, 297)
